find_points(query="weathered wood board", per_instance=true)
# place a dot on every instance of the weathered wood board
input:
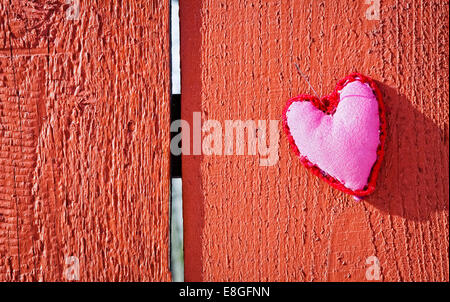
(84, 140)
(246, 222)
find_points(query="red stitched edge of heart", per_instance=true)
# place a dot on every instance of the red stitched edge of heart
(328, 105)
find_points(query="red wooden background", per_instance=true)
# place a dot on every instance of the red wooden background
(84, 134)
(244, 222)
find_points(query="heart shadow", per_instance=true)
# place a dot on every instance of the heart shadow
(414, 180)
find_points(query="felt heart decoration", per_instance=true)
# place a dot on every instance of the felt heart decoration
(340, 137)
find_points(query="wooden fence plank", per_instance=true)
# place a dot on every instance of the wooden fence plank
(245, 222)
(84, 132)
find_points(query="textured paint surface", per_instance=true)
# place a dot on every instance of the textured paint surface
(246, 222)
(84, 140)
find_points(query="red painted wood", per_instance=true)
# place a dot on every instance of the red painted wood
(84, 140)
(244, 222)
(193, 213)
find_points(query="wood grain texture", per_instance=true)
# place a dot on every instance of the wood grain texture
(244, 222)
(84, 133)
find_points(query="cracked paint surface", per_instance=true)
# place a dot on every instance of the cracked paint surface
(84, 156)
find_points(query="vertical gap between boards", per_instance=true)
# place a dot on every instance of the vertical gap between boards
(176, 204)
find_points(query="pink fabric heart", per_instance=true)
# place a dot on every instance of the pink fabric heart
(343, 145)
